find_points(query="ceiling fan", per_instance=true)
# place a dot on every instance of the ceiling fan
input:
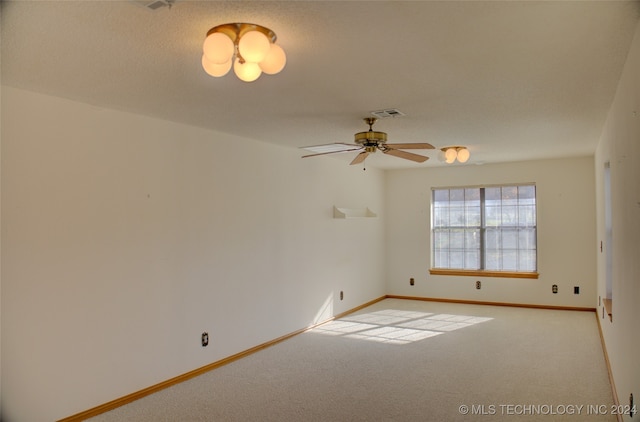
(367, 143)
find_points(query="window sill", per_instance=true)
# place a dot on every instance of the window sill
(481, 273)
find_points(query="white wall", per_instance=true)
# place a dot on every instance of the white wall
(566, 239)
(124, 238)
(620, 146)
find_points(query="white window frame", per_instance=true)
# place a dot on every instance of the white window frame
(468, 221)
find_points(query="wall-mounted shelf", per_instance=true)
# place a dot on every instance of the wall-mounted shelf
(353, 213)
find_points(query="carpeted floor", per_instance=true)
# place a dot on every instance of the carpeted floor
(405, 360)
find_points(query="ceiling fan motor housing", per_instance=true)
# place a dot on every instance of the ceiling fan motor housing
(370, 139)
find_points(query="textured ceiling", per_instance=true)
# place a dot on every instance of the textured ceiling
(512, 80)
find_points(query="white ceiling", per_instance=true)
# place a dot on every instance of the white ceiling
(512, 80)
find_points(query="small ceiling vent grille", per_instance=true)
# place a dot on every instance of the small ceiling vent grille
(156, 5)
(153, 4)
(389, 112)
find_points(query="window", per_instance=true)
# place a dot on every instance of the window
(484, 231)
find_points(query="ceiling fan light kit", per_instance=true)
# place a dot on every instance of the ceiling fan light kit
(369, 142)
(249, 48)
(453, 153)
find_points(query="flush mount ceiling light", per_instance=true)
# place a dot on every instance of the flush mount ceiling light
(249, 48)
(451, 154)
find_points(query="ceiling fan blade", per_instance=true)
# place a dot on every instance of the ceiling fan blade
(331, 152)
(359, 158)
(407, 155)
(422, 145)
(335, 146)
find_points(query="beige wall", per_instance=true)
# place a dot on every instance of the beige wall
(620, 146)
(566, 239)
(124, 238)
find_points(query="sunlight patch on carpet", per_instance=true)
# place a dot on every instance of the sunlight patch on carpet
(396, 326)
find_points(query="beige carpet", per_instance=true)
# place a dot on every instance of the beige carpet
(405, 360)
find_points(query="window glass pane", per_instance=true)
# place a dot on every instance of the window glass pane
(527, 239)
(509, 260)
(441, 198)
(473, 216)
(441, 259)
(509, 215)
(492, 239)
(441, 217)
(472, 249)
(526, 195)
(472, 260)
(492, 260)
(527, 261)
(472, 239)
(509, 239)
(492, 195)
(456, 197)
(472, 196)
(492, 216)
(457, 239)
(456, 216)
(526, 215)
(456, 259)
(509, 195)
(441, 239)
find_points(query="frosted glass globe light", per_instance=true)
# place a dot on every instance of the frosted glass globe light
(218, 48)
(254, 46)
(450, 155)
(247, 71)
(215, 70)
(274, 61)
(463, 155)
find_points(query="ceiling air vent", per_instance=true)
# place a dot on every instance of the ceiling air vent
(389, 112)
(153, 4)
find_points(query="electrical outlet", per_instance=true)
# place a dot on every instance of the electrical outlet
(478, 284)
(341, 295)
(412, 281)
(554, 289)
(576, 290)
(205, 339)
